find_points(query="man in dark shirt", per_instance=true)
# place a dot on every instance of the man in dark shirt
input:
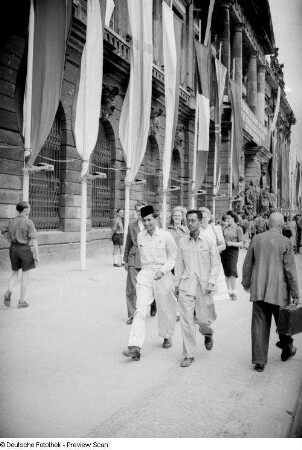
(20, 232)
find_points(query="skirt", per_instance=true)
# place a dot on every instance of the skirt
(229, 259)
(118, 239)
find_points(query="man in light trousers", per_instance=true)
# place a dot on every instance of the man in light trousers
(196, 271)
(155, 281)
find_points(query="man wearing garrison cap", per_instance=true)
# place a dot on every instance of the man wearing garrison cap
(157, 251)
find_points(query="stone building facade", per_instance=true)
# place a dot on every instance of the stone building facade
(241, 32)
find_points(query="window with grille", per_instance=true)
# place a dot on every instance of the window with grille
(44, 187)
(148, 173)
(175, 179)
(101, 188)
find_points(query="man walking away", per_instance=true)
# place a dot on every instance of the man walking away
(196, 271)
(269, 274)
(21, 232)
(158, 255)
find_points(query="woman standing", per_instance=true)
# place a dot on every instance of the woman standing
(118, 238)
(177, 226)
(233, 236)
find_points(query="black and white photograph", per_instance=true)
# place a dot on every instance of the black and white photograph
(151, 223)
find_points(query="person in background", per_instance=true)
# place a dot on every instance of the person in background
(178, 229)
(118, 238)
(132, 261)
(197, 268)
(260, 223)
(269, 274)
(298, 219)
(154, 281)
(21, 232)
(233, 236)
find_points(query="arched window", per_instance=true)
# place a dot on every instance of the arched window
(101, 188)
(44, 187)
(175, 179)
(148, 173)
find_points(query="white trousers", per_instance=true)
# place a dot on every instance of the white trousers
(147, 289)
(204, 308)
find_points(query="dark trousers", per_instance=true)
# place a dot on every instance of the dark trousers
(261, 324)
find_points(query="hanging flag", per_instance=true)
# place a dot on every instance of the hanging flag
(88, 95)
(48, 29)
(202, 112)
(109, 11)
(209, 22)
(235, 90)
(171, 56)
(276, 112)
(221, 72)
(136, 109)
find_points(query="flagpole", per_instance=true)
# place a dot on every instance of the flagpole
(232, 144)
(193, 198)
(28, 100)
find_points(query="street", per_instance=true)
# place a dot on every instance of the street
(63, 373)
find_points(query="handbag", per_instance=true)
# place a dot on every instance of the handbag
(290, 319)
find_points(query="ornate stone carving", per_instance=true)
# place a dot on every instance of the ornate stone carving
(108, 101)
(154, 120)
(251, 198)
(272, 198)
(264, 200)
(179, 136)
(277, 68)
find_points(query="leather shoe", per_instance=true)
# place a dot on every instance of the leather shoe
(22, 304)
(177, 318)
(167, 343)
(208, 342)
(133, 352)
(153, 309)
(186, 362)
(129, 321)
(288, 353)
(7, 297)
(259, 367)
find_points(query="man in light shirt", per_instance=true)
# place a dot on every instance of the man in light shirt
(196, 271)
(157, 251)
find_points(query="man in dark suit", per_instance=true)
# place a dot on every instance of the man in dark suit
(269, 274)
(133, 264)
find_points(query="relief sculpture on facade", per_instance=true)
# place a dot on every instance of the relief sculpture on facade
(108, 101)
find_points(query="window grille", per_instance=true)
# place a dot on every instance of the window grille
(44, 187)
(175, 179)
(101, 188)
(148, 169)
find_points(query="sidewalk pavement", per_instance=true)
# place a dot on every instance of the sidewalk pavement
(63, 373)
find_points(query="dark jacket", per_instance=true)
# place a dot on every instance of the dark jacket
(131, 253)
(269, 269)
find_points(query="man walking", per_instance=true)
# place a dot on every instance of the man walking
(21, 231)
(269, 274)
(133, 263)
(158, 254)
(196, 271)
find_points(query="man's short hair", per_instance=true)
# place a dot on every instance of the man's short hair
(197, 212)
(140, 204)
(21, 206)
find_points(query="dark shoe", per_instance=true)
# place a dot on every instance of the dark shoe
(133, 352)
(117, 265)
(288, 353)
(129, 321)
(167, 343)
(233, 297)
(177, 318)
(186, 362)
(7, 297)
(153, 309)
(208, 342)
(23, 304)
(259, 367)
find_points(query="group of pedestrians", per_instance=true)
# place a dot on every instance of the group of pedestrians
(178, 273)
(180, 269)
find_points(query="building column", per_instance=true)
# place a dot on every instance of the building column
(225, 36)
(237, 52)
(261, 93)
(251, 93)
